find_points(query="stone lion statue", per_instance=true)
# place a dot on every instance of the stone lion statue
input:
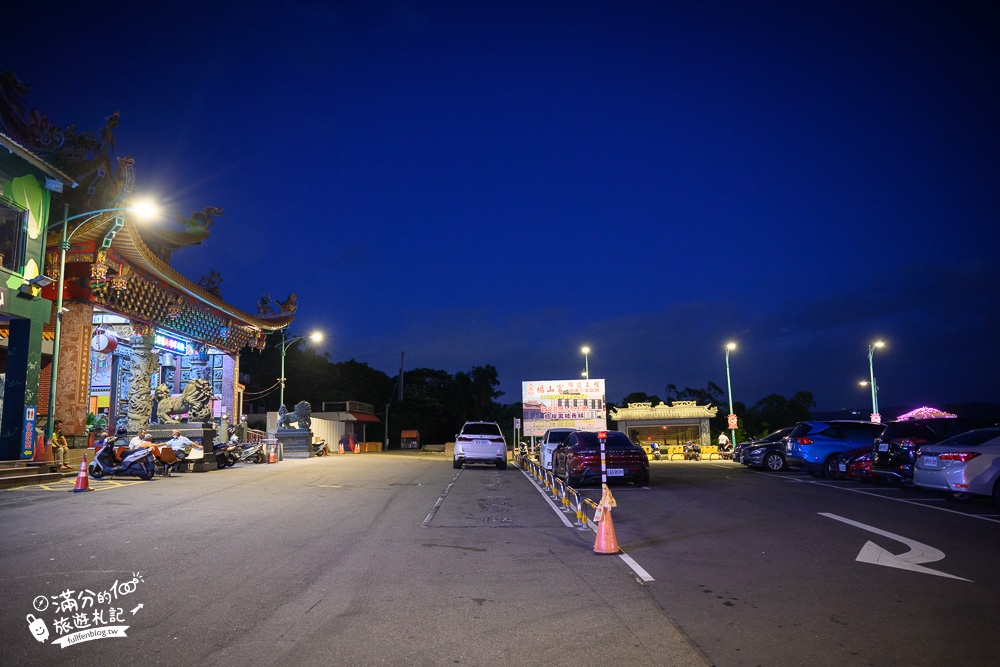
(300, 414)
(195, 399)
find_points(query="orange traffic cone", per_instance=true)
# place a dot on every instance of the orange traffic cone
(357, 448)
(272, 457)
(82, 479)
(340, 448)
(606, 543)
(39, 455)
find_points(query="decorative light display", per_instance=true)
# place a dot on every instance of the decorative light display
(926, 413)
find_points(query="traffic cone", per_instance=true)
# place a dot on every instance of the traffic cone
(39, 455)
(272, 457)
(82, 479)
(606, 543)
(357, 448)
(340, 448)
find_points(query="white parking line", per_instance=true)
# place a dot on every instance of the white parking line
(628, 560)
(871, 493)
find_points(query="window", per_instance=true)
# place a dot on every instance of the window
(12, 237)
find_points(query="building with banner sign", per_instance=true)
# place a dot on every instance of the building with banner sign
(577, 404)
(666, 425)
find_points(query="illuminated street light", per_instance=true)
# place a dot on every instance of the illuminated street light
(729, 389)
(144, 209)
(586, 360)
(315, 336)
(871, 371)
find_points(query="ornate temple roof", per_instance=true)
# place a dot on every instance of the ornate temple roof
(646, 411)
(156, 294)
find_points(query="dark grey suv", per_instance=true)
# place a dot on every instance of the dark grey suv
(895, 450)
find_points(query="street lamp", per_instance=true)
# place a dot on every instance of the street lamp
(586, 361)
(145, 209)
(729, 389)
(315, 336)
(871, 372)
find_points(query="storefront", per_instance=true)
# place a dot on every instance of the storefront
(666, 425)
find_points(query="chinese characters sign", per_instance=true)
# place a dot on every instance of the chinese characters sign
(575, 404)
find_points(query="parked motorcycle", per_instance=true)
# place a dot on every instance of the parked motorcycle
(320, 448)
(254, 452)
(227, 454)
(692, 450)
(138, 463)
(655, 449)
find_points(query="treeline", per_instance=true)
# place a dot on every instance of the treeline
(437, 403)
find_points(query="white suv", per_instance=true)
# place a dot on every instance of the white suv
(480, 442)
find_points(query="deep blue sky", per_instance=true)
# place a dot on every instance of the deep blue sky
(502, 182)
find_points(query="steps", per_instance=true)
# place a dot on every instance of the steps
(25, 473)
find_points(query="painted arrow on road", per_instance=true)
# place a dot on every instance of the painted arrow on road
(876, 555)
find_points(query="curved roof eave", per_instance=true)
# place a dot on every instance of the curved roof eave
(129, 245)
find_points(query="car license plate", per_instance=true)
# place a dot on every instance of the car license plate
(616, 472)
(842, 467)
(929, 461)
(481, 442)
(883, 446)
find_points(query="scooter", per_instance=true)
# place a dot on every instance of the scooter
(655, 449)
(227, 454)
(253, 452)
(319, 448)
(138, 463)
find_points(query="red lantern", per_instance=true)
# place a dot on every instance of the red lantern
(103, 341)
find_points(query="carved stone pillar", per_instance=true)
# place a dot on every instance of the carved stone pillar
(145, 362)
(73, 383)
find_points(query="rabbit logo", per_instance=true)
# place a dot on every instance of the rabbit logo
(38, 628)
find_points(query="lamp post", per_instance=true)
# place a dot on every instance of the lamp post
(315, 336)
(729, 390)
(871, 372)
(586, 361)
(145, 209)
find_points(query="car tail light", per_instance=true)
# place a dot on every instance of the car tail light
(958, 456)
(908, 442)
(803, 441)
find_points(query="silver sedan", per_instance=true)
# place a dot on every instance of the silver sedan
(966, 465)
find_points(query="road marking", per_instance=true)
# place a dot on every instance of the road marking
(628, 560)
(873, 493)
(437, 505)
(876, 555)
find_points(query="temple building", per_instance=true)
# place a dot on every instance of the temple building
(132, 330)
(666, 425)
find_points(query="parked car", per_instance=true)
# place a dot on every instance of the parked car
(480, 442)
(767, 452)
(578, 459)
(895, 450)
(965, 465)
(846, 463)
(860, 468)
(552, 439)
(816, 446)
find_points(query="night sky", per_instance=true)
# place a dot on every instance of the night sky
(503, 182)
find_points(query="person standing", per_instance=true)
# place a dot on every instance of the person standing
(60, 448)
(723, 442)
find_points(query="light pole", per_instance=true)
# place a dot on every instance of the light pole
(315, 336)
(586, 361)
(729, 390)
(144, 209)
(871, 373)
